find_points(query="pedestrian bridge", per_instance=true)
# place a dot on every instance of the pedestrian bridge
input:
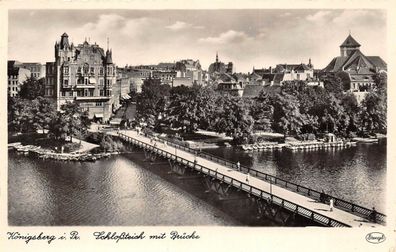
(274, 197)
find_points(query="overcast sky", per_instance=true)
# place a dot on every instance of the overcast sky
(258, 38)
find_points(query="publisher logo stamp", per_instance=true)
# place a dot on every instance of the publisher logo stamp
(375, 237)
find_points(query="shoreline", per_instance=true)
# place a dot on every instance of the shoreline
(38, 152)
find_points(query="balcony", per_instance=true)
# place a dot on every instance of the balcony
(93, 98)
(85, 86)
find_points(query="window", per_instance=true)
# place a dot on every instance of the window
(101, 71)
(92, 71)
(86, 67)
(101, 93)
(85, 92)
(79, 70)
(98, 104)
(66, 70)
(110, 70)
(86, 81)
(101, 82)
(65, 82)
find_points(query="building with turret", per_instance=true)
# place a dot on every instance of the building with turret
(354, 68)
(84, 74)
(219, 67)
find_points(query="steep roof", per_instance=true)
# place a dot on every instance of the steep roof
(109, 59)
(252, 90)
(361, 77)
(377, 62)
(226, 77)
(278, 78)
(302, 67)
(350, 42)
(260, 71)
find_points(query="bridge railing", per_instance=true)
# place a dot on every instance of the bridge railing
(303, 190)
(262, 195)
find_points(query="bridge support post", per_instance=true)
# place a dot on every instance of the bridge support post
(266, 208)
(177, 168)
(149, 156)
(222, 189)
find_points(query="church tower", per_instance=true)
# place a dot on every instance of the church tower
(349, 46)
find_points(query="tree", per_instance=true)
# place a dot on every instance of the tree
(152, 102)
(336, 83)
(32, 88)
(351, 108)
(191, 108)
(20, 115)
(372, 116)
(234, 119)
(70, 121)
(262, 111)
(287, 118)
(45, 113)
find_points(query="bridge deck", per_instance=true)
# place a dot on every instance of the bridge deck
(301, 200)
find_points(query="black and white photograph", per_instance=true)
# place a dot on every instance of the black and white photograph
(247, 118)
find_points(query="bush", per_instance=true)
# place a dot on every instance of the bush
(110, 145)
(94, 137)
(71, 147)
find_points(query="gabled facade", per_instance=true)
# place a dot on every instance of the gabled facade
(84, 74)
(356, 69)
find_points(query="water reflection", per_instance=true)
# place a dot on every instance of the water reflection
(115, 191)
(356, 174)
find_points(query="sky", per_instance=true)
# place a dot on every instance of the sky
(249, 38)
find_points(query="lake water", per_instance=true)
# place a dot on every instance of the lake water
(124, 190)
(356, 174)
(115, 191)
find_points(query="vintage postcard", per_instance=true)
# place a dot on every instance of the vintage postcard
(166, 126)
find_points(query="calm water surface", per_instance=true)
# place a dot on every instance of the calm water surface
(122, 191)
(113, 191)
(356, 174)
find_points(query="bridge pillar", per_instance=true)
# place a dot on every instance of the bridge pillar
(149, 155)
(266, 208)
(217, 186)
(177, 168)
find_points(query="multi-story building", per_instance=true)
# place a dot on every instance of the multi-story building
(166, 76)
(282, 73)
(84, 74)
(189, 72)
(16, 76)
(354, 68)
(233, 84)
(37, 69)
(219, 67)
(121, 89)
